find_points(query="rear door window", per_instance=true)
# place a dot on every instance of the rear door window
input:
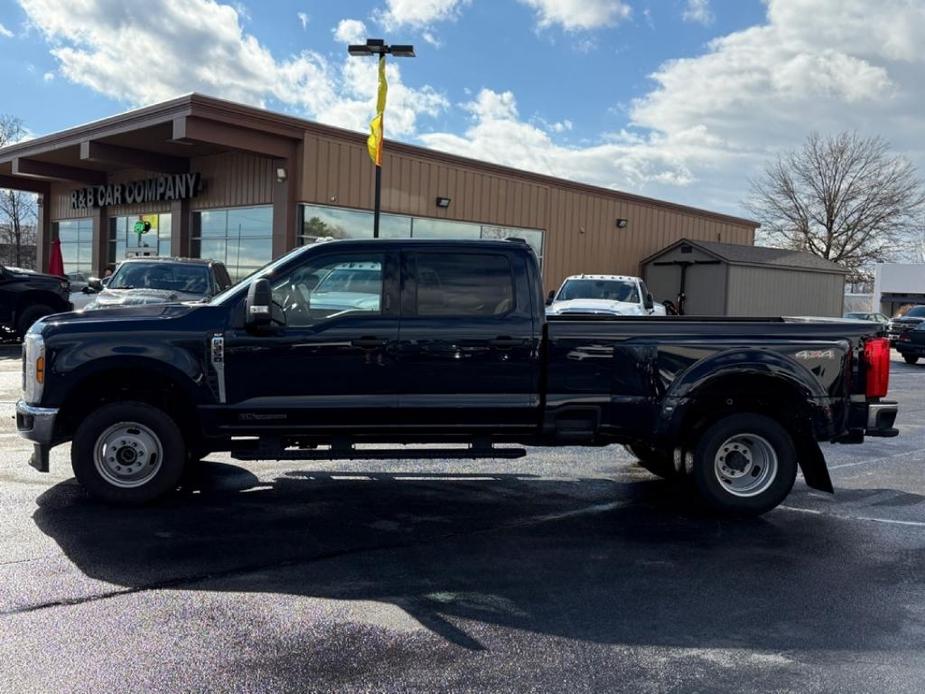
(463, 284)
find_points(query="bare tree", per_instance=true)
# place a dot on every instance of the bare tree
(17, 209)
(845, 198)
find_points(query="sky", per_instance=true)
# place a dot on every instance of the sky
(683, 100)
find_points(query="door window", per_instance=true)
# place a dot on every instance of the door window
(330, 287)
(464, 284)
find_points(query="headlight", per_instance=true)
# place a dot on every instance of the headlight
(33, 375)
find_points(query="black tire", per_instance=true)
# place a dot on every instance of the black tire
(910, 358)
(29, 316)
(659, 464)
(760, 435)
(156, 426)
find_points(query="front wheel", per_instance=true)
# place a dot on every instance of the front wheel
(744, 464)
(910, 358)
(128, 453)
(30, 316)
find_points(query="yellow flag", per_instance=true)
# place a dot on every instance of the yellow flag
(374, 141)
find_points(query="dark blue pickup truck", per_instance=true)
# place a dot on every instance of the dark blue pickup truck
(340, 346)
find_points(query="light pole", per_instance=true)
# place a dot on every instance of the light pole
(379, 48)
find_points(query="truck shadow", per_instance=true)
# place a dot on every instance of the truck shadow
(596, 560)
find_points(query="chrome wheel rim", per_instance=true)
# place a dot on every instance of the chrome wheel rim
(745, 465)
(128, 455)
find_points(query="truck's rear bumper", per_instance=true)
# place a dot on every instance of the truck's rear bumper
(37, 424)
(881, 416)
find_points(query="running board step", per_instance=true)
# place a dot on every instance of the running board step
(379, 454)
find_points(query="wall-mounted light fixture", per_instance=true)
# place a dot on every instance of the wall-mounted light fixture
(281, 175)
(443, 203)
(621, 223)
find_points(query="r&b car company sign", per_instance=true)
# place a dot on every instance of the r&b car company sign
(163, 188)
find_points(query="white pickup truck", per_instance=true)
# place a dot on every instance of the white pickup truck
(616, 295)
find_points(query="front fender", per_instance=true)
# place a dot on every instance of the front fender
(163, 361)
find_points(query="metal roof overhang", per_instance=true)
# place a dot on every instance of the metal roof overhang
(161, 138)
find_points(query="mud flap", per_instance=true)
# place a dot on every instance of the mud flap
(39, 459)
(812, 464)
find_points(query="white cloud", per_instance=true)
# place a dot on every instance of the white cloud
(304, 19)
(574, 15)
(419, 13)
(48, 76)
(698, 11)
(350, 31)
(711, 120)
(498, 134)
(6, 33)
(199, 45)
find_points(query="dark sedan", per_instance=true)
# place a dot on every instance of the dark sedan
(911, 343)
(914, 317)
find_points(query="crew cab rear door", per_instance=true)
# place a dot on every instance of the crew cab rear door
(468, 346)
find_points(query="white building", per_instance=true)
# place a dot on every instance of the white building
(896, 285)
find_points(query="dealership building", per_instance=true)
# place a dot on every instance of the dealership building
(201, 177)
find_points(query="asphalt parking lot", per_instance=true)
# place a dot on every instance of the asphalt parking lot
(568, 570)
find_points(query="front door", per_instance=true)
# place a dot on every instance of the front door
(468, 348)
(329, 366)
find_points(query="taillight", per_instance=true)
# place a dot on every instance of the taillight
(877, 357)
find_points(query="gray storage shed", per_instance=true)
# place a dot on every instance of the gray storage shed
(724, 279)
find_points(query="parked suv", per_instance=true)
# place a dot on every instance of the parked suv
(162, 281)
(26, 296)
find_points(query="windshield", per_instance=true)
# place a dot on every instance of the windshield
(174, 277)
(916, 312)
(610, 290)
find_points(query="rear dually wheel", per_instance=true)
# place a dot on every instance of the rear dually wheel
(744, 464)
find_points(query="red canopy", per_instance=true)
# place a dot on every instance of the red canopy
(55, 261)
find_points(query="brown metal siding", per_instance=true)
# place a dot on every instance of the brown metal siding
(234, 179)
(581, 233)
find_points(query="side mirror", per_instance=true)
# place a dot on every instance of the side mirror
(648, 303)
(550, 297)
(94, 284)
(258, 307)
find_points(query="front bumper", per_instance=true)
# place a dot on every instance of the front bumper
(37, 424)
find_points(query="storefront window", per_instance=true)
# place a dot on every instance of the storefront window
(533, 237)
(139, 235)
(422, 228)
(76, 237)
(240, 237)
(319, 222)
